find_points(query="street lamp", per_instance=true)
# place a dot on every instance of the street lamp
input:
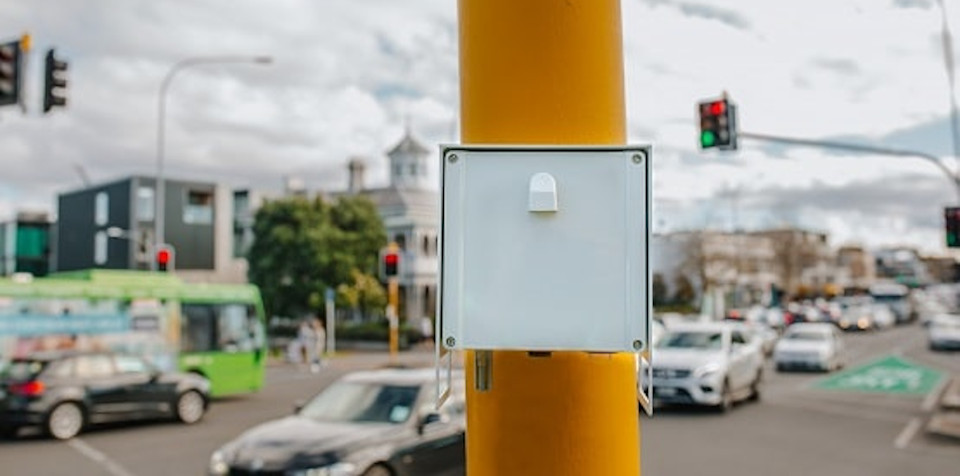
(159, 205)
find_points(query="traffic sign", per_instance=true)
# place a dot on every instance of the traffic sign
(887, 375)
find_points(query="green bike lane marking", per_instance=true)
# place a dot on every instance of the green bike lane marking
(892, 375)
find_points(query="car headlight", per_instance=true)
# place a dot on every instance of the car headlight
(708, 371)
(336, 469)
(218, 464)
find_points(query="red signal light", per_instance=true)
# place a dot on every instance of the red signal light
(163, 257)
(391, 259)
(717, 108)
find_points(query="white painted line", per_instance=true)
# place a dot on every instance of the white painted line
(934, 396)
(103, 460)
(903, 440)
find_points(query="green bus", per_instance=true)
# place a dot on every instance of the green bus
(216, 330)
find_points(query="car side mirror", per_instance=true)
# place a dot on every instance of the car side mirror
(427, 419)
(298, 405)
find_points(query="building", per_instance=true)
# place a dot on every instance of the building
(857, 269)
(113, 226)
(25, 244)
(409, 209)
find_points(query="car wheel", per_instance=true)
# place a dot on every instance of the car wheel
(190, 407)
(65, 421)
(378, 470)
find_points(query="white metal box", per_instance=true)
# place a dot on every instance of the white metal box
(545, 248)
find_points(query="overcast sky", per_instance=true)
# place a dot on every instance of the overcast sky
(347, 73)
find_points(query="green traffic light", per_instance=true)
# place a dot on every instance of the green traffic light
(707, 139)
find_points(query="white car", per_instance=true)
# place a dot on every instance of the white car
(944, 332)
(816, 346)
(713, 364)
(883, 316)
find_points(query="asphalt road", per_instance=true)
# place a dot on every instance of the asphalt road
(795, 429)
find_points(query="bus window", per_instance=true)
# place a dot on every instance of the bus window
(236, 328)
(197, 328)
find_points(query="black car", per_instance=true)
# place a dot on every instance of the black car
(63, 392)
(370, 423)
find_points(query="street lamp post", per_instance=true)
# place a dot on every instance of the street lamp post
(160, 196)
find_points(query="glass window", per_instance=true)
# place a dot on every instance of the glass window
(235, 333)
(737, 338)
(101, 209)
(199, 208)
(401, 240)
(100, 248)
(145, 204)
(197, 328)
(94, 366)
(128, 364)
(363, 402)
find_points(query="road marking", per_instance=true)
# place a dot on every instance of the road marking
(907, 434)
(934, 396)
(103, 460)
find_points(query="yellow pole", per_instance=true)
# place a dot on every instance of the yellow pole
(547, 72)
(393, 314)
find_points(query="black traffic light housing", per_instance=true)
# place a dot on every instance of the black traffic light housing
(951, 217)
(718, 124)
(54, 82)
(391, 263)
(11, 71)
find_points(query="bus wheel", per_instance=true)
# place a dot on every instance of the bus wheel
(190, 407)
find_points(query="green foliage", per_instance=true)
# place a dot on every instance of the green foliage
(364, 293)
(683, 291)
(303, 246)
(377, 331)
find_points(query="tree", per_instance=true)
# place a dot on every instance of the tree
(684, 292)
(363, 295)
(303, 246)
(659, 290)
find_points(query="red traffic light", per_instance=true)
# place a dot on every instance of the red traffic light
(164, 259)
(717, 108)
(391, 259)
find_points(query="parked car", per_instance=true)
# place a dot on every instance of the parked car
(370, 423)
(65, 391)
(857, 316)
(712, 364)
(883, 316)
(810, 346)
(943, 332)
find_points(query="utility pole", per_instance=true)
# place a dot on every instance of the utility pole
(546, 72)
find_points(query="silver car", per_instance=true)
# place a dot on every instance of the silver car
(944, 332)
(712, 364)
(815, 346)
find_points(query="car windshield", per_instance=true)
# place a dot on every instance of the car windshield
(20, 370)
(692, 340)
(805, 335)
(363, 402)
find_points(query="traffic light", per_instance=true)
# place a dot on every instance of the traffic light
(391, 263)
(951, 217)
(54, 82)
(718, 124)
(164, 259)
(10, 72)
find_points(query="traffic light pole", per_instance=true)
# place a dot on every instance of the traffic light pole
(393, 315)
(546, 72)
(954, 178)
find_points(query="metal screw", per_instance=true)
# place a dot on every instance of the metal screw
(452, 158)
(450, 340)
(637, 344)
(637, 158)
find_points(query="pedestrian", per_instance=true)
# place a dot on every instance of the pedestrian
(307, 336)
(426, 330)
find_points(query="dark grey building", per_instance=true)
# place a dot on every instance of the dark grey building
(112, 225)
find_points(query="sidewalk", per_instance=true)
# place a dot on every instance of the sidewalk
(415, 357)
